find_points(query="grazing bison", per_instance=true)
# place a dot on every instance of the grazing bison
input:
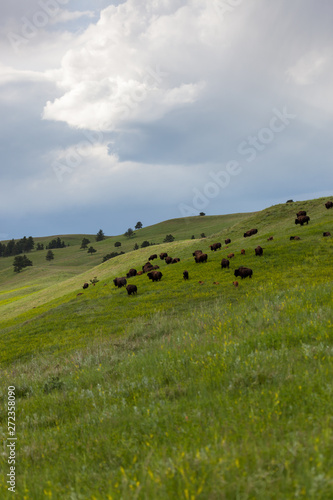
(131, 289)
(147, 267)
(242, 251)
(231, 255)
(227, 241)
(327, 233)
(156, 266)
(225, 263)
(215, 246)
(152, 257)
(329, 204)
(155, 275)
(175, 260)
(243, 272)
(163, 255)
(302, 220)
(168, 260)
(131, 272)
(119, 282)
(259, 250)
(196, 252)
(250, 233)
(295, 238)
(290, 201)
(139, 273)
(300, 213)
(185, 275)
(85, 285)
(270, 238)
(235, 283)
(201, 258)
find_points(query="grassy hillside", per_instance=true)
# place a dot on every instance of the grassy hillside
(187, 390)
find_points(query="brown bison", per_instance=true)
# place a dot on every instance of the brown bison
(168, 260)
(147, 267)
(163, 255)
(227, 241)
(243, 272)
(175, 260)
(225, 263)
(185, 275)
(329, 204)
(250, 233)
(139, 273)
(196, 252)
(302, 220)
(300, 213)
(85, 285)
(327, 233)
(215, 246)
(131, 272)
(131, 289)
(231, 255)
(242, 251)
(119, 282)
(295, 238)
(156, 267)
(155, 275)
(201, 258)
(290, 201)
(235, 283)
(259, 250)
(270, 238)
(152, 257)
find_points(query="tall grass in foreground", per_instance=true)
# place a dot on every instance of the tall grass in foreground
(230, 401)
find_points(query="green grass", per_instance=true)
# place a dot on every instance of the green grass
(185, 391)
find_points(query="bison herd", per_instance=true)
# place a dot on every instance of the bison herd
(201, 257)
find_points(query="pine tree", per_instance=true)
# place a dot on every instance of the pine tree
(100, 235)
(84, 243)
(49, 255)
(129, 233)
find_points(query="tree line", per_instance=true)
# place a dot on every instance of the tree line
(16, 247)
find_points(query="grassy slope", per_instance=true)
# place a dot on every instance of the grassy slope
(46, 280)
(187, 390)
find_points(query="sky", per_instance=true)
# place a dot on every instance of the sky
(114, 112)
